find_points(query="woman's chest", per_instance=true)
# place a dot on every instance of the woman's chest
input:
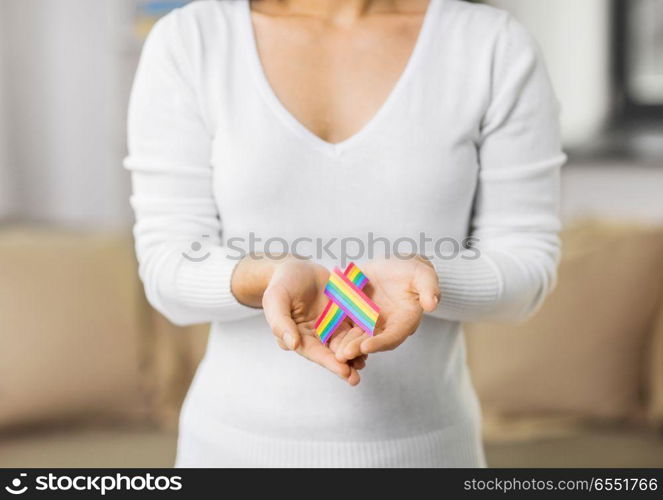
(333, 79)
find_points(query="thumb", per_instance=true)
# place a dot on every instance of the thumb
(276, 304)
(426, 285)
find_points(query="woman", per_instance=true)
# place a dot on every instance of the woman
(308, 121)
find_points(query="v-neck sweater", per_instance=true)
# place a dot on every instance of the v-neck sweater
(465, 146)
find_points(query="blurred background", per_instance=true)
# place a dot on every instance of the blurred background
(91, 376)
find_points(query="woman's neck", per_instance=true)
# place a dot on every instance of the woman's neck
(333, 8)
(335, 11)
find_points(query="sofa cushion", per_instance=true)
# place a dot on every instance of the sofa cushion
(175, 354)
(72, 319)
(582, 354)
(654, 372)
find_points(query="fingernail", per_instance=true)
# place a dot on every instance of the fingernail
(289, 340)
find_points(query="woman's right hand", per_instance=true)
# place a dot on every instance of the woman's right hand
(291, 292)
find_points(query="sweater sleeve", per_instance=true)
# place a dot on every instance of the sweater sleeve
(185, 268)
(512, 264)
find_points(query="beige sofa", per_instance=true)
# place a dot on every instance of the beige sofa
(91, 376)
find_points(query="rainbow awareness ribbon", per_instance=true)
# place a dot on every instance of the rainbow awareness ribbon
(346, 299)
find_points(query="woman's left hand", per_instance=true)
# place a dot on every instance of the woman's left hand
(403, 289)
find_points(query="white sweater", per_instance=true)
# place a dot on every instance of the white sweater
(467, 143)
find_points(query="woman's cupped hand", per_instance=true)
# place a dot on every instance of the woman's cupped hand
(293, 298)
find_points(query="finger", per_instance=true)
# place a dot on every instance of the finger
(394, 334)
(353, 349)
(337, 339)
(281, 344)
(348, 339)
(386, 341)
(358, 363)
(354, 377)
(338, 335)
(342, 341)
(276, 305)
(427, 286)
(313, 350)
